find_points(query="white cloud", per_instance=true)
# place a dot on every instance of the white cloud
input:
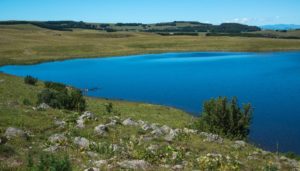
(246, 20)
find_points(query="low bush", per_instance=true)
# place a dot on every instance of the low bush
(59, 96)
(30, 80)
(50, 162)
(225, 118)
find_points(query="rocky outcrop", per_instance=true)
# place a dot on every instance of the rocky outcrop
(101, 130)
(129, 122)
(57, 139)
(209, 137)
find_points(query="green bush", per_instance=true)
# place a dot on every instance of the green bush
(50, 162)
(55, 86)
(58, 96)
(30, 80)
(225, 118)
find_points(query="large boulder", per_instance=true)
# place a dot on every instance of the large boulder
(134, 164)
(82, 142)
(12, 132)
(101, 130)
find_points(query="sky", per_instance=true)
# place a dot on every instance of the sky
(252, 12)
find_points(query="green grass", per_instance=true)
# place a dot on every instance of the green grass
(25, 44)
(14, 154)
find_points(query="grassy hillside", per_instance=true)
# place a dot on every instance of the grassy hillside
(188, 150)
(23, 44)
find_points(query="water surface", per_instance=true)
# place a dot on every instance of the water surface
(270, 81)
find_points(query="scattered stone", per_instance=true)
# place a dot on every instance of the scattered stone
(112, 123)
(87, 115)
(172, 134)
(134, 164)
(57, 139)
(140, 122)
(190, 131)
(80, 123)
(146, 127)
(12, 132)
(101, 130)
(152, 148)
(177, 167)
(92, 169)
(239, 144)
(43, 106)
(129, 122)
(212, 137)
(157, 132)
(92, 154)
(100, 163)
(165, 129)
(82, 142)
(52, 149)
(59, 123)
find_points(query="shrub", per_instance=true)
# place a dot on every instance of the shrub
(27, 102)
(63, 99)
(226, 118)
(30, 80)
(51, 162)
(55, 86)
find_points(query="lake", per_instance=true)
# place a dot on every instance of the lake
(269, 81)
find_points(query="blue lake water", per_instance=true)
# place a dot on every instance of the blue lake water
(270, 81)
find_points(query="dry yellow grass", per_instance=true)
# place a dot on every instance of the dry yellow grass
(30, 44)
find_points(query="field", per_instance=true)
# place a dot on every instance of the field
(25, 44)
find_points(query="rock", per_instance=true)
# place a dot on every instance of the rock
(43, 106)
(152, 148)
(52, 149)
(129, 122)
(146, 127)
(239, 144)
(57, 139)
(12, 132)
(112, 123)
(92, 169)
(2, 81)
(100, 163)
(101, 130)
(92, 154)
(82, 142)
(140, 122)
(172, 134)
(134, 164)
(157, 132)
(87, 115)
(212, 137)
(80, 123)
(165, 129)
(189, 131)
(177, 167)
(114, 147)
(59, 123)
(154, 126)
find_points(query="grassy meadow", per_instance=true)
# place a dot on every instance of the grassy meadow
(25, 44)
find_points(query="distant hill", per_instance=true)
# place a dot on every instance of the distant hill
(167, 27)
(280, 27)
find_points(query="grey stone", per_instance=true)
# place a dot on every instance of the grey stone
(52, 149)
(57, 139)
(239, 144)
(101, 163)
(177, 167)
(12, 132)
(171, 135)
(165, 129)
(87, 115)
(92, 169)
(157, 132)
(43, 106)
(101, 130)
(134, 164)
(59, 123)
(189, 131)
(92, 154)
(212, 137)
(129, 122)
(82, 142)
(146, 127)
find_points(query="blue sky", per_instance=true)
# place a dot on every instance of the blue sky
(254, 12)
